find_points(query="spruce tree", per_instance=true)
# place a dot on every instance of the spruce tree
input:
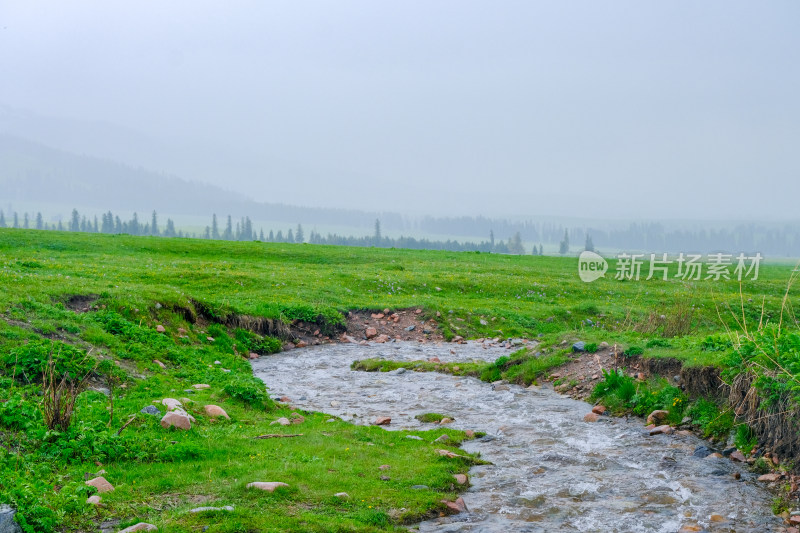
(299, 236)
(2, 219)
(39, 221)
(214, 227)
(154, 225)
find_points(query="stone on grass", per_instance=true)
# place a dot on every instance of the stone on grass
(141, 526)
(179, 420)
(384, 467)
(342, 495)
(171, 403)
(200, 386)
(215, 411)
(442, 438)
(204, 509)
(461, 479)
(268, 486)
(579, 346)
(101, 484)
(160, 328)
(151, 410)
(469, 433)
(93, 500)
(282, 421)
(159, 363)
(446, 420)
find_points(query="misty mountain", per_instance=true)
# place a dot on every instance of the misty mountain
(34, 173)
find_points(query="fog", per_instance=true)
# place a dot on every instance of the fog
(517, 108)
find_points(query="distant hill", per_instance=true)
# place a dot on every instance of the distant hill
(32, 172)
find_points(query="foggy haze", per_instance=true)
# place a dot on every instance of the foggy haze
(607, 110)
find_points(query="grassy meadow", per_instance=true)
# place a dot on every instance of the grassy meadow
(92, 303)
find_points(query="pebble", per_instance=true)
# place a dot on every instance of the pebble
(151, 410)
(283, 421)
(420, 487)
(461, 479)
(342, 495)
(591, 417)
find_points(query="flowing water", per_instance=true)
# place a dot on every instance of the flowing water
(550, 471)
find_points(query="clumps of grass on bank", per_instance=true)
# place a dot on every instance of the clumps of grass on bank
(431, 418)
(521, 367)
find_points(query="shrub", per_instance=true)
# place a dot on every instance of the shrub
(29, 361)
(633, 350)
(250, 391)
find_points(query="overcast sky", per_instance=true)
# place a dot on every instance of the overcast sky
(610, 109)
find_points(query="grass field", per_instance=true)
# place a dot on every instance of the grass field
(70, 294)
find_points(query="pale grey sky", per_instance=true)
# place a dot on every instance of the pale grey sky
(581, 108)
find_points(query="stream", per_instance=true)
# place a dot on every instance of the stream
(550, 470)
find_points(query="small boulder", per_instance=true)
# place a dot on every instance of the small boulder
(171, 403)
(657, 416)
(442, 438)
(301, 344)
(93, 500)
(738, 456)
(141, 526)
(342, 495)
(458, 338)
(201, 386)
(461, 479)
(469, 433)
(579, 346)
(160, 328)
(268, 486)
(457, 506)
(446, 420)
(702, 452)
(159, 363)
(591, 417)
(370, 332)
(210, 339)
(382, 421)
(101, 484)
(215, 411)
(658, 430)
(599, 409)
(384, 467)
(769, 478)
(282, 421)
(151, 410)
(179, 420)
(382, 339)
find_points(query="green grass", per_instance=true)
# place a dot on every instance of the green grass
(204, 293)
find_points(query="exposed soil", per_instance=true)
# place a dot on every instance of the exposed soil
(81, 303)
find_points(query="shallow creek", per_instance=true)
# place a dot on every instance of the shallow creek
(551, 470)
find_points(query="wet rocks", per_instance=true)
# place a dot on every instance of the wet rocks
(456, 507)
(738, 457)
(599, 409)
(382, 421)
(176, 419)
(702, 452)
(591, 417)
(657, 416)
(215, 411)
(268, 486)
(659, 430)
(101, 484)
(7, 522)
